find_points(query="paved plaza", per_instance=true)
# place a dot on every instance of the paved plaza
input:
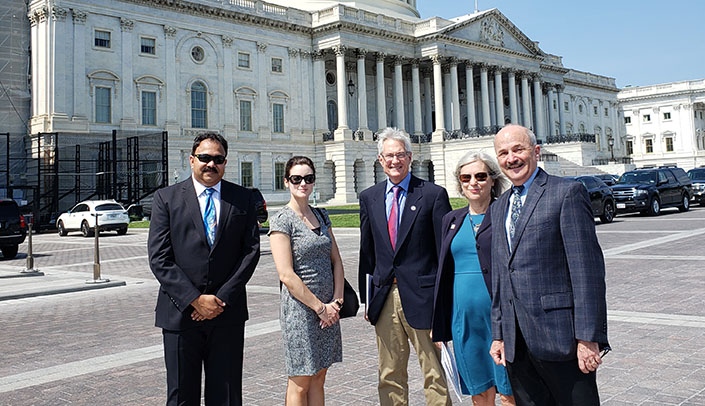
(100, 346)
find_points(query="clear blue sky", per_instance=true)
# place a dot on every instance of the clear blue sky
(637, 42)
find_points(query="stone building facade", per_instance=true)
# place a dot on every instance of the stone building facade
(316, 78)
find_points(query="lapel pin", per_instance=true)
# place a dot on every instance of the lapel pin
(413, 208)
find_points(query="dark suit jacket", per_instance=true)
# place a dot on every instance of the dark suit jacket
(443, 296)
(186, 266)
(552, 283)
(415, 261)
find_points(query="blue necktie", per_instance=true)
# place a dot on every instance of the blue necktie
(516, 209)
(209, 216)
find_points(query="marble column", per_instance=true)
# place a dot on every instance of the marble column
(561, 118)
(513, 112)
(416, 92)
(455, 94)
(525, 99)
(447, 103)
(551, 112)
(381, 94)
(539, 127)
(485, 91)
(340, 88)
(427, 100)
(398, 94)
(470, 98)
(498, 96)
(362, 91)
(438, 97)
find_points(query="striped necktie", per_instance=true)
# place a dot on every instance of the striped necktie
(209, 216)
(393, 220)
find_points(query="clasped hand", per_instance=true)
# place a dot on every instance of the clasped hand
(330, 315)
(207, 307)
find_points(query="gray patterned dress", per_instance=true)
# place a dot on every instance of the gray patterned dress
(307, 347)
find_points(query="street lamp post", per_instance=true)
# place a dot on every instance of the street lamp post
(610, 143)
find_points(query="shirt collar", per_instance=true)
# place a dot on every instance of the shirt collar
(404, 183)
(528, 183)
(200, 188)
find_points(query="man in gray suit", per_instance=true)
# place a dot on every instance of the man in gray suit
(549, 313)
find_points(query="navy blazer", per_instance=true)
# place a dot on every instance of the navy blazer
(187, 267)
(443, 296)
(415, 261)
(552, 282)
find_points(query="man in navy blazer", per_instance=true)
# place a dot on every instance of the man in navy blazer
(549, 312)
(403, 272)
(202, 304)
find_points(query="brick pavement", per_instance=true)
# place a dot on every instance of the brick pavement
(100, 346)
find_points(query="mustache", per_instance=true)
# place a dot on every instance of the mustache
(514, 165)
(209, 169)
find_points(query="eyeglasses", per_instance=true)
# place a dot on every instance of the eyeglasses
(467, 177)
(205, 158)
(296, 179)
(399, 156)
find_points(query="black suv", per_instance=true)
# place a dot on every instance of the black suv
(13, 228)
(649, 190)
(601, 197)
(697, 175)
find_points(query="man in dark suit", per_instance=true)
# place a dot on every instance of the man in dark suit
(549, 313)
(203, 248)
(400, 228)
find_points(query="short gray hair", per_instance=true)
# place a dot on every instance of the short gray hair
(395, 134)
(501, 183)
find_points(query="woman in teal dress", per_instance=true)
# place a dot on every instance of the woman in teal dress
(462, 298)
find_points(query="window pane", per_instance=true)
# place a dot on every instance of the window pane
(102, 39)
(245, 115)
(149, 108)
(147, 46)
(276, 65)
(199, 107)
(279, 175)
(102, 105)
(278, 118)
(243, 60)
(246, 174)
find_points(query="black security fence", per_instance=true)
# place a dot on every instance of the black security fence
(49, 173)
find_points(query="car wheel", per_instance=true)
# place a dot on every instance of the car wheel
(654, 207)
(86, 230)
(9, 251)
(685, 206)
(122, 230)
(62, 229)
(607, 213)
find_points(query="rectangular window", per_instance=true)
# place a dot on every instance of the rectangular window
(566, 107)
(555, 104)
(245, 115)
(279, 175)
(627, 120)
(646, 118)
(669, 144)
(277, 65)
(594, 110)
(277, 118)
(149, 108)
(243, 60)
(246, 174)
(148, 46)
(102, 39)
(102, 105)
(649, 146)
(630, 148)
(667, 116)
(607, 112)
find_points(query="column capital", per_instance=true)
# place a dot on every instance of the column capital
(261, 47)
(453, 61)
(512, 71)
(339, 50)
(58, 13)
(426, 72)
(126, 24)
(318, 55)
(415, 63)
(559, 88)
(227, 40)
(304, 54)
(361, 53)
(169, 31)
(536, 76)
(398, 60)
(548, 86)
(79, 17)
(293, 52)
(498, 69)
(484, 67)
(437, 59)
(468, 63)
(350, 66)
(445, 69)
(380, 56)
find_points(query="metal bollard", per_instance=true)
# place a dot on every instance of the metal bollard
(30, 259)
(96, 257)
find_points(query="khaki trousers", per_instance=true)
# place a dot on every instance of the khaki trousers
(393, 336)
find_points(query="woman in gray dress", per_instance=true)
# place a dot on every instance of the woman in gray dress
(311, 271)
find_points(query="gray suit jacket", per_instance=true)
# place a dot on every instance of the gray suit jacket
(552, 282)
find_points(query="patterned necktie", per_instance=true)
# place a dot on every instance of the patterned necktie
(393, 220)
(209, 216)
(516, 209)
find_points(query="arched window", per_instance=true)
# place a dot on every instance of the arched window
(199, 106)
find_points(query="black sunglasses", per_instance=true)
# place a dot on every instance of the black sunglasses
(296, 179)
(480, 177)
(205, 158)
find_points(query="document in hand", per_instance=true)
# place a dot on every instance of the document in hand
(451, 369)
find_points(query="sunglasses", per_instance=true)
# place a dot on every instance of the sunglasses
(296, 179)
(480, 177)
(205, 158)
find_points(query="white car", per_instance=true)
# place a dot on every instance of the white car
(111, 216)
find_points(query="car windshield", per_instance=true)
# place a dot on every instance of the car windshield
(696, 174)
(108, 207)
(639, 177)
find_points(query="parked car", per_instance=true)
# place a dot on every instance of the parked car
(697, 176)
(111, 216)
(601, 197)
(649, 190)
(608, 178)
(13, 229)
(261, 206)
